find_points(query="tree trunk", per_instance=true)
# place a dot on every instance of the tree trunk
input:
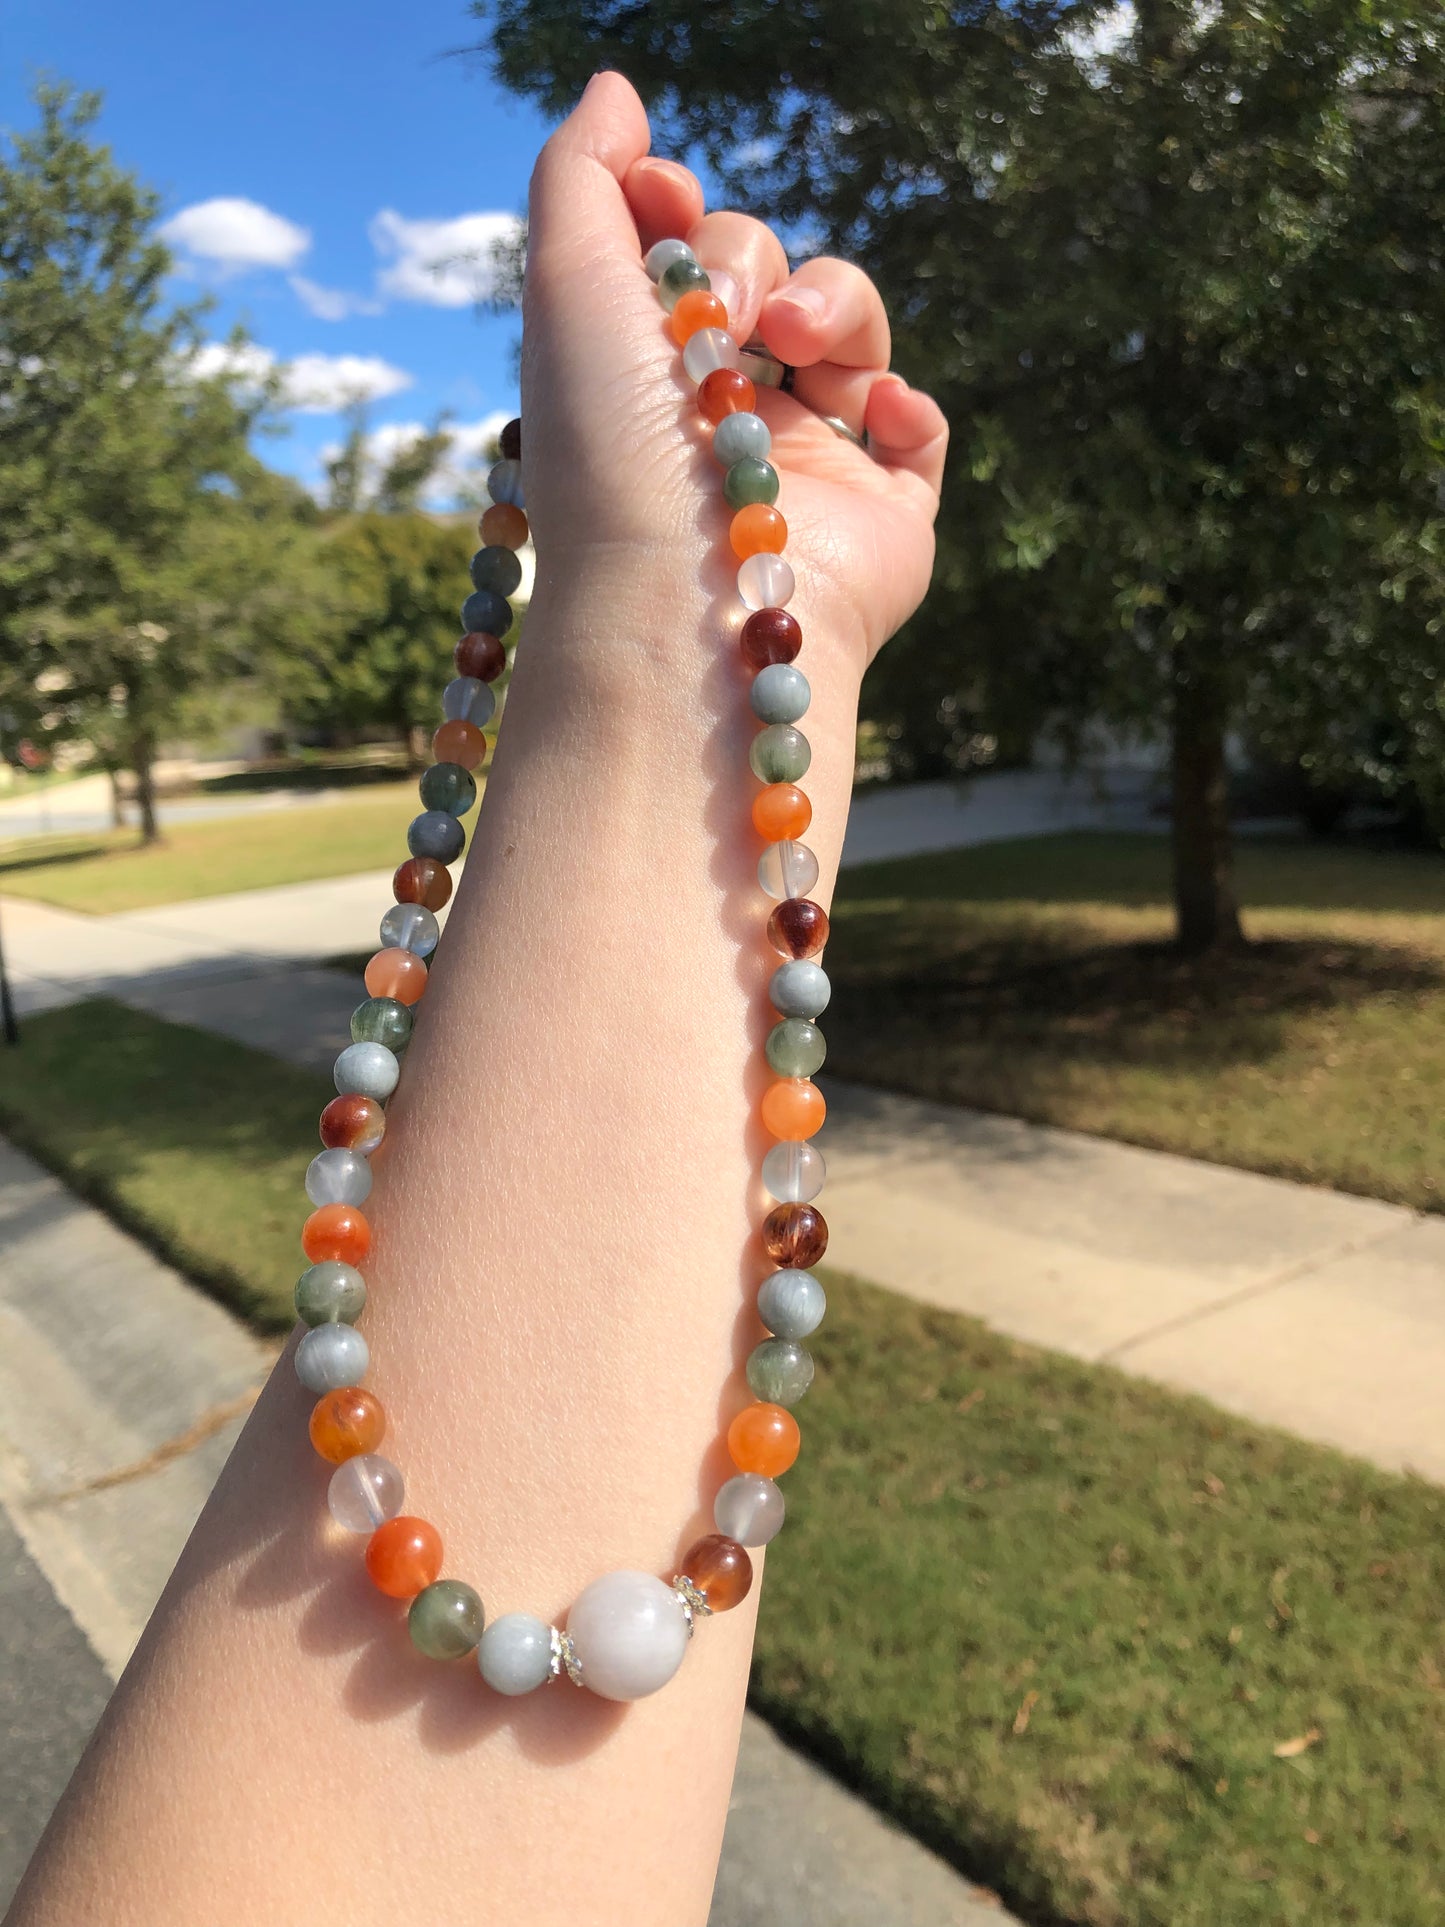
(1206, 910)
(117, 808)
(142, 761)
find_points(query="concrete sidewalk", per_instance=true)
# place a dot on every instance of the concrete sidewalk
(121, 1393)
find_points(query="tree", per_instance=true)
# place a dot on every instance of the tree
(1180, 292)
(129, 499)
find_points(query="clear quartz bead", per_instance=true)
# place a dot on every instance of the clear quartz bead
(338, 1177)
(750, 1509)
(410, 926)
(766, 582)
(365, 1492)
(794, 1172)
(708, 349)
(467, 699)
(787, 869)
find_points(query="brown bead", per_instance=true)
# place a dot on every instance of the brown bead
(511, 440)
(798, 927)
(721, 1570)
(480, 655)
(795, 1235)
(421, 879)
(770, 635)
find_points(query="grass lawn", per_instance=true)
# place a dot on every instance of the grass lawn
(1034, 978)
(110, 871)
(1127, 1660)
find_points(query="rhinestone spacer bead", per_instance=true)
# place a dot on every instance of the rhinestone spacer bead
(564, 1657)
(693, 1602)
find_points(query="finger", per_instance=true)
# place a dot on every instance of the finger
(828, 321)
(907, 434)
(578, 216)
(665, 199)
(750, 254)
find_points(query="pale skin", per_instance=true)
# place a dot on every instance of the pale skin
(566, 1210)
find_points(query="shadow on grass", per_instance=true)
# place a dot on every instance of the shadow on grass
(304, 776)
(50, 858)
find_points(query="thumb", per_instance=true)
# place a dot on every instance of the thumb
(578, 217)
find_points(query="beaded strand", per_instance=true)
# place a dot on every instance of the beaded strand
(627, 1633)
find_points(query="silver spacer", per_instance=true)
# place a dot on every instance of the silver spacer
(564, 1657)
(693, 1603)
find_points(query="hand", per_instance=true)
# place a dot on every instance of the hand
(622, 487)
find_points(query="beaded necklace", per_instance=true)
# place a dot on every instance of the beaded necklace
(628, 1631)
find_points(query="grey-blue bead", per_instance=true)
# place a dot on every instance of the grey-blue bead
(330, 1293)
(800, 989)
(367, 1070)
(497, 569)
(740, 435)
(338, 1177)
(504, 484)
(330, 1356)
(436, 833)
(661, 255)
(484, 609)
(410, 926)
(467, 699)
(780, 693)
(791, 1303)
(515, 1653)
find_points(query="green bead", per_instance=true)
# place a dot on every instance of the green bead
(750, 480)
(330, 1293)
(680, 279)
(780, 1371)
(780, 754)
(449, 787)
(382, 1020)
(796, 1048)
(446, 1619)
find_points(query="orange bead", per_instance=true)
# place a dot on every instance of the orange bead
(726, 391)
(764, 1438)
(336, 1231)
(793, 1108)
(781, 810)
(697, 309)
(459, 742)
(720, 1569)
(396, 973)
(353, 1123)
(503, 527)
(757, 530)
(347, 1423)
(421, 879)
(404, 1556)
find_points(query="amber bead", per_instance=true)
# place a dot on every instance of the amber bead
(769, 636)
(697, 309)
(396, 973)
(403, 1556)
(423, 880)
(798, 928)
(347, 1423)
(481, 655)
(764, 1439)
(726, 391)
(795, 1235)
(721, 1570)
(458, 742)
(793, 1108)
(757, 530)
(510, 440)
(336, 1231)
(353, 1123)
(781, 812)
(503, 526)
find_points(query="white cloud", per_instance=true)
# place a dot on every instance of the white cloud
(447, 264)
(462, 467)
(312, 384)
(236, 234)
(330, 304)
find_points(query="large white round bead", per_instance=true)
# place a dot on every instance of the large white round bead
(629, 1633)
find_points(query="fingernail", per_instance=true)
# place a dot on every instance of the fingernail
(724, 287)
(809, 301)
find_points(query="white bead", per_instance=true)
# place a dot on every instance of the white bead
(365, 1492)
(766, 582)
(750, 1509)
(787, 870)
(338, 1177)
(794, 1173)
(710, 349)
(629, 1634)
(504, 483)
(661, 255)
(467, 699)
(410, 926)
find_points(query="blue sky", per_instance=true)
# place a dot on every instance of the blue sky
(348, 136)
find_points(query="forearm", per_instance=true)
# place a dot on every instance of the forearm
(566, 1255)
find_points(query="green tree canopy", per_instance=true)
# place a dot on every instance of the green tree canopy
(1180, 293)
